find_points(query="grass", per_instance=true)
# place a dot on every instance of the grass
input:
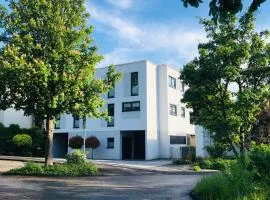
(65, 169)
(233, 184)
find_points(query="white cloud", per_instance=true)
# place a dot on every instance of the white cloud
(172, 40)
(123, 4)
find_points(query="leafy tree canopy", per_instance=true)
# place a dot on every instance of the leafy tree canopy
(219, 9)
(228, 81)
(48, 60)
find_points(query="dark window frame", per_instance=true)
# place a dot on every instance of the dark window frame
(132, 84)
(57, 118)
(76, 118)
(111, 123)
(178, 139)
(172, 82)
(183, 112)
(110, 144)
(111, 96)
(171, 113)
(132, 108)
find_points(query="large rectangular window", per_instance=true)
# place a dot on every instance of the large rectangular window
(57, 122)
(182, 86)
(173, 110)
(178, 139)
(76, 121)
(111, 93)
(110, 143)
(131, 106)
(134, 84)
(111, 115)
(172, 82)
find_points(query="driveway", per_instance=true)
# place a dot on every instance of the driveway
(116, 184)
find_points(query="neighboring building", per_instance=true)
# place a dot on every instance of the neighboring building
(203, 139)
(148, 118)
(11, 116)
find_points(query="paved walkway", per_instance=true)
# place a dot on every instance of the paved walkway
(163, 166)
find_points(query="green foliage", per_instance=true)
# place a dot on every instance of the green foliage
(229, 114)
(196, 168)
(35, 169)
(75, 142)
(219, 9)
(48, 61)
(260, 161)
(92, 142)
(238, 181)
(22, 140)
(216, 164)
(76, 157)
(217, 150)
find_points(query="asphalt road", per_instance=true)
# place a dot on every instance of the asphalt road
(115, 184)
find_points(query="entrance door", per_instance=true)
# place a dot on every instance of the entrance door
(60, 145)
(126, 147)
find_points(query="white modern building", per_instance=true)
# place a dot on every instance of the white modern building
(149, 120)
(203, 139)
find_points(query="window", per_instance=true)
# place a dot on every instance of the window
(182, 86)
(111, 93)
(110, 143)
(57, 122)
(76, 121)
(173, 110)
(134, 84)
(183, 112)
(131, 106)
(191, 118)
(111, 115)
(178, 139)
(172, 82)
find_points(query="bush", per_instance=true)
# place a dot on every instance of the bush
(216, 150)
(93, 143)
(7, 146)
(235, 183)
(34, 169)
(76, 157)
(260, 161)
(76, 142)
(23, 142)
(216, 164)
(196, 168)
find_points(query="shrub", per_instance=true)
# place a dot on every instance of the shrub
(35, 169)
(216, 151)
(235, 183)
(93, 143)
(217, 164)
(196, 168)
(76, 157)
(76, 142)
(22, 140)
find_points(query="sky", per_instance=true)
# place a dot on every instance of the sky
(162, 31)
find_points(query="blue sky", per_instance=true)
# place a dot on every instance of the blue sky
(162, 31)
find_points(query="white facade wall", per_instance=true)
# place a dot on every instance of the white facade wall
(203, 139)
(154, 118)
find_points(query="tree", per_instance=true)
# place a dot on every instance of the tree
(228, 80)
(75, 142)
(47, 62)
(93, 143)
(219, 9)
(260, 132)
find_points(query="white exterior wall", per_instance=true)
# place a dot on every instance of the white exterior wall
(154, 95)
(11, 116)
(203, 139)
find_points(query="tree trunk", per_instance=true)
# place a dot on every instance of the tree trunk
(242, 148)
(49, 141)
(233, 149)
